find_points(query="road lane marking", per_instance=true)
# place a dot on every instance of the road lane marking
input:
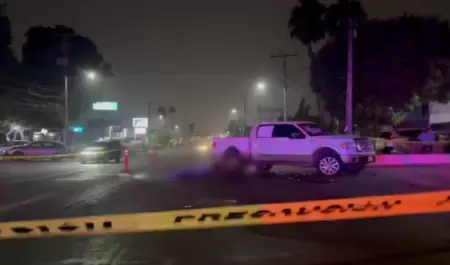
(46, 177)
(85, 177)
(18, 204)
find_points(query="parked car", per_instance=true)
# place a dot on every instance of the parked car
(304, 144)
(4, 148)
(39, 148)
(102, 151)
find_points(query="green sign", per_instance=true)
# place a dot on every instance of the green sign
(105, 105)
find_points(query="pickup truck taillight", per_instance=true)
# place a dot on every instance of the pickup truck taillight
(213, 144)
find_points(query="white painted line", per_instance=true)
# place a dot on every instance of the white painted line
(84, 177)
(18, 204)
(48, 177)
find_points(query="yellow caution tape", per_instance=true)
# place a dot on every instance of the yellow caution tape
(249, 215)
(38, 157)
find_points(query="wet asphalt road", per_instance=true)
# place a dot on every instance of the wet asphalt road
(177, 179)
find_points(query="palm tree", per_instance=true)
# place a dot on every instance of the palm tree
(307, 24)
(161, 110)
(338, 15)
(171, 112)
(303, 111)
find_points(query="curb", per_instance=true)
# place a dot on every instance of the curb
(411, 159)
(124, 174)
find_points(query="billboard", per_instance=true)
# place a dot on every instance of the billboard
(140, 130)
(140, 122)
(76, 129)
(105, 105)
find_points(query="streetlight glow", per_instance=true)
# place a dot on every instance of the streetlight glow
(176, 127)
(233, 111)
(261, 86)
(91, 75)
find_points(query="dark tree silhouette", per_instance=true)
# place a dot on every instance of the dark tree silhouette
(338, 14)
(303, 111)
(171, 113)
(307, 25)
(43, 64)
(161, 110)
(8, 67)
(310, 21)
(8, 61)
(191, 128)
(398, 62)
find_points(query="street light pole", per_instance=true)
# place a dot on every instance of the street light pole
(90, 75)
(284, 89)
(245, 112)
(349, 100)
(147, 135)
(260, 85)
(66, 109)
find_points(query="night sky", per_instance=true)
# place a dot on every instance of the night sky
(196, 55)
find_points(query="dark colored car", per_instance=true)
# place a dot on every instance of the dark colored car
(102, 151)
(5, 147)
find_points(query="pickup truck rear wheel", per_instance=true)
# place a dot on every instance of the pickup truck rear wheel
(232, 161)
(263, 169)
(329, 164)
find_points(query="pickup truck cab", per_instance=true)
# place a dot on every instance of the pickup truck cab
(304, 144)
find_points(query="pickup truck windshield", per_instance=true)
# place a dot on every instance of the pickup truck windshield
(314, 129)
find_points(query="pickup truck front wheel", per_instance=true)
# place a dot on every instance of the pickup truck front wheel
(329, 164)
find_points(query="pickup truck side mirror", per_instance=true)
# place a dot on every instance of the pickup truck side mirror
(296, 136)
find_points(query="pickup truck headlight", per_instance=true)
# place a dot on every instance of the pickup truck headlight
(202, 148)
(350, 146)
(89, 152)
(92, 151)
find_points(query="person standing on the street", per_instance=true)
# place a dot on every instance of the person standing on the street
(427, 138)
(388, 143)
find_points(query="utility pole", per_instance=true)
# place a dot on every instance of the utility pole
(149, 109)
(64, 62)
(245, 113)
(285, 88)
(349, 100)
(66, 109)
(149, 112)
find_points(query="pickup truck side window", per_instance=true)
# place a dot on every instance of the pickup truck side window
(314, 129)
(265, 131)
(286, 131)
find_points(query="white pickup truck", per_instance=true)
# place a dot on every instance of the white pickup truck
(304, 144)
